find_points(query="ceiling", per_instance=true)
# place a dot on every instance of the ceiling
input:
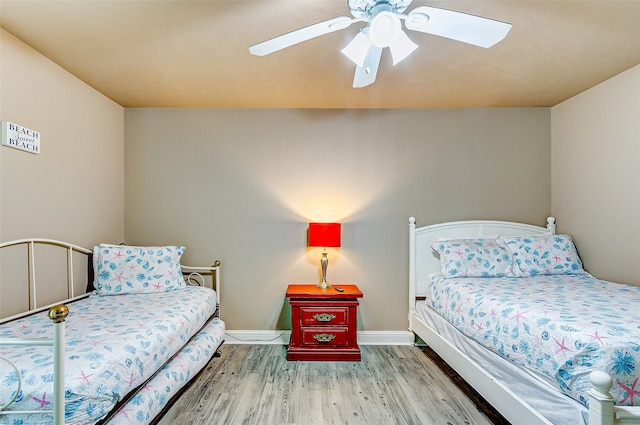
(185, 53)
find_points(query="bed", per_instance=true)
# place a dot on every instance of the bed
(122, 351)
(511, 309)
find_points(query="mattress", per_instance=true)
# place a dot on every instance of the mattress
(560, 327)
(113, 345)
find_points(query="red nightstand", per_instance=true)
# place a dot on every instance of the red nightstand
(323, 323)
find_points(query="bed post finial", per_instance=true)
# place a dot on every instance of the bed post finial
(412, 221)
(551, 224)
(58, 313)
(600, 399)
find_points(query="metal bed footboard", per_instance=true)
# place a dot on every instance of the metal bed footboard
(57, 314)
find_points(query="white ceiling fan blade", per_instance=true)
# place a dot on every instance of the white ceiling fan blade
(357, 49)
(300, 35)
(366, 74)
(458, 26)
(401, 47)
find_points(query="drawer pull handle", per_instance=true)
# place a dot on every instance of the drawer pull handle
(324, 317)
(324, 337)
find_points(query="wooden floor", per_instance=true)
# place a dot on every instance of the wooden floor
(254, 384)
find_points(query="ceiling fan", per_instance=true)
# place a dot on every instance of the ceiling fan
(384, 29)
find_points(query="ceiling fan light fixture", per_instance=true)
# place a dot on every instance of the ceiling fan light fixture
(384, 29)
(357, 49)
(402, 47)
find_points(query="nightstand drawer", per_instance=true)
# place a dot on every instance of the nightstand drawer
(328, 316)
(319, 336)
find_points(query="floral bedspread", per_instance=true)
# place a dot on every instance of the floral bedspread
(149, 402)
(563, 326)
(113, 344)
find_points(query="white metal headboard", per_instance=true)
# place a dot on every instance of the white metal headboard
(423, 261)
(31, 264)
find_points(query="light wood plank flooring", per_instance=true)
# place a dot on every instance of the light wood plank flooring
(254, 384)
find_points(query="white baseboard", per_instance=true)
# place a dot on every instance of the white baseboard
(385, 338)
(257, 337)
(282, 337)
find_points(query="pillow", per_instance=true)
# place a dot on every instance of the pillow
(544, 255)
(484, 257)
(136, 269)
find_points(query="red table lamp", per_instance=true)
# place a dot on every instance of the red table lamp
(324, 235)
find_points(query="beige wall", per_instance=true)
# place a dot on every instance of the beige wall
(74, 189)
(241, 185)
(596, 175)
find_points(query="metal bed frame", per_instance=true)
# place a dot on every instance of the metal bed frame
(58, 313)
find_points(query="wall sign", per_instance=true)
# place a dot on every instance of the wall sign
(18, 137)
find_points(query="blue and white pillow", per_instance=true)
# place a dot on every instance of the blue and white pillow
(483, 257)
(136, 269)
(545, 255)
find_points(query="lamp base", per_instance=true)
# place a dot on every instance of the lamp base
(324, 285)
(324, 261)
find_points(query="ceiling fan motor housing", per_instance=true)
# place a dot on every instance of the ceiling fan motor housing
(360, 8)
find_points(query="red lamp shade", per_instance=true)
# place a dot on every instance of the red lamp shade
(324, 234)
